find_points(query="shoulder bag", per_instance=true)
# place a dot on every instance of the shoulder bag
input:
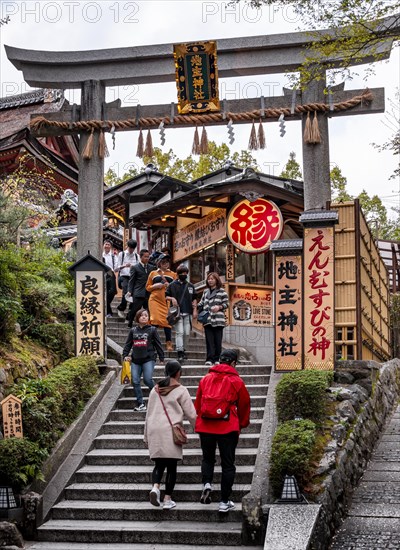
(178, 431)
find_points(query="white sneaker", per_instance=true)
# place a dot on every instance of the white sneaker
(140, 408)
(208, 364)
(225, 506)
(121, 314)
(154, 496)
(169, 504)
(206, 494)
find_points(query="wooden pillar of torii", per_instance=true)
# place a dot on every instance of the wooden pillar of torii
(93, 71)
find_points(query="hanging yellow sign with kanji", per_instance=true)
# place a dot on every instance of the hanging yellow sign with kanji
(196, 77)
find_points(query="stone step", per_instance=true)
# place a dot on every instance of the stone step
(134, 457)
(135, 441)
(126, 415)
(254, 389)
(142, 532)
(127, 546)
(190, 381)
(140, 492)
(137, 427)
(142, 474)
(130, 402)
(141, 511)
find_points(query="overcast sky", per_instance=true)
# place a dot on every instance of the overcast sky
(84, 25)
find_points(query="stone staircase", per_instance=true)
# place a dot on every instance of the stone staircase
(105, 505)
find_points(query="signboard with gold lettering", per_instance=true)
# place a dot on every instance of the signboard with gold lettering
(251, 226)
(90, 336)
(12, 417)
(250, 306)
(196, 77)
(197, 235)
(288, 313)
(319, 341)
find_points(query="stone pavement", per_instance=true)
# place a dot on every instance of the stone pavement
(373, 521)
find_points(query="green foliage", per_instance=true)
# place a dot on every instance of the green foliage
(395, 310)
(49, 406)
(291, 452)
(303, 394)
(36, 288)
(339, 186)
(58, 337)
(292, 169)
(20, 461)
(187, 169)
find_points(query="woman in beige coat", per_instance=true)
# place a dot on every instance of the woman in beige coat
(158, 431)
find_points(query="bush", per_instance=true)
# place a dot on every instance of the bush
(291, 452)
(20, 462)
(59, 337)
(50, 405)
(303, 395)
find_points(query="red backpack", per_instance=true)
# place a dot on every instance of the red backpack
(219, 394)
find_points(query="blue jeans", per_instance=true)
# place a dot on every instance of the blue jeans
(136, 372)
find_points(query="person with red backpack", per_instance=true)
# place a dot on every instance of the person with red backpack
(223, 410)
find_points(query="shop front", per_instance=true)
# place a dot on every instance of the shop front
(225, 224)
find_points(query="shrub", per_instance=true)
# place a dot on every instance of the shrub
(303, 394)
(291, 452)
(59, 337)
(20, 462)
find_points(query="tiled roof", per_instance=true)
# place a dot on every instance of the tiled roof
(31, 98)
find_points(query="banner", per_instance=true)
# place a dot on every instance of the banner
(250, 306)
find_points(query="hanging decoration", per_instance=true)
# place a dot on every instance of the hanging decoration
(162, 133)
(140, 145)
(261, 136)
(88, 151)
(112, 132)
(312, 135)
(231, 132)
(196, 143)
(281, 120)
(148, 150)
(316, 135)
(103, 149)
(204, 142)
(253, 143)
(308, 130)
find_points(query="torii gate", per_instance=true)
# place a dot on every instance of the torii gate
(93, 71)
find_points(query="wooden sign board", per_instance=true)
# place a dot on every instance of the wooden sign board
(230, 262)
(89, 292)
(199, 234)
(250, 306)
(196, 76)
(12, 417)
(318, 302)
(288, 313)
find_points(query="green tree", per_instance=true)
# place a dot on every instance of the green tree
(187, 169)
(339, 185)
(292, 170)
(353, 27)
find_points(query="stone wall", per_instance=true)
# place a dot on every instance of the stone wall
(366, 394)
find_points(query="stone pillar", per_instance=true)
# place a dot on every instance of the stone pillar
(91, 177)
(316, 169)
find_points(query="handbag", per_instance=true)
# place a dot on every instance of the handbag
(174, 315)
(179, 434)
(203, 317)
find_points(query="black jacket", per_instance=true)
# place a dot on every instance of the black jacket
(137, 280)
(144, 343)
(184, 293)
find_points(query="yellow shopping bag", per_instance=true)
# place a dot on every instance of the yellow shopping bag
(126, 373)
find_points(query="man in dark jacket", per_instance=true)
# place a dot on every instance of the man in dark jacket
(182, 293)
(137, 285)
(222, 385)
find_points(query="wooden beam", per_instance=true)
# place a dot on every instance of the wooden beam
(114, 113)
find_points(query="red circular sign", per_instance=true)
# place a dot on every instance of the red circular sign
(251, 226)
